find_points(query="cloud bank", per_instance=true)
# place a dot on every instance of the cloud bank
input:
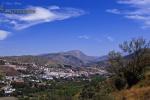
(41, 15)
(139, 10)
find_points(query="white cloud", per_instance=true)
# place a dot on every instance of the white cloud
(136, 17)
(135, 2)
(54, 7)
(114, 11)
(139, 10)
(3, 34)
(110, 38)
(84, 37)
(97, 40)
(41, 15)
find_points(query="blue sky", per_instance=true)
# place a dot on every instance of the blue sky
(92, 26)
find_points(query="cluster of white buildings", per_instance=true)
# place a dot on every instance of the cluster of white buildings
(44, 72)
(49, 73)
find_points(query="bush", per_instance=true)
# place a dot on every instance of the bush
(129, 69)
(120, 83)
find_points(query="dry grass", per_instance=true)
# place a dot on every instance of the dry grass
(140, 91)
(8, 98)
(134, 94)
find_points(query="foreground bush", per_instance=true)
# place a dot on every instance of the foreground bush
(128, 70)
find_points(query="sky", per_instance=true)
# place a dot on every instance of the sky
(92, 26)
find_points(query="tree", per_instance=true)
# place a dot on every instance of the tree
(116, 69)
(115, 63)
(130, 67)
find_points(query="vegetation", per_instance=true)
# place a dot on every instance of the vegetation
(97, 91)
(128, 70)
(129, 77)
(56, 90)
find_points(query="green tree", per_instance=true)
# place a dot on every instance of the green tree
(130, 67)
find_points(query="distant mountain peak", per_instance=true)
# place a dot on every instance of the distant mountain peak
(76, 53)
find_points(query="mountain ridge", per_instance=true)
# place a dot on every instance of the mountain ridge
(74, 58)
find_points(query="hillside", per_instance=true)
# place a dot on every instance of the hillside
(7, 70)
(74, 58)
(140, 91)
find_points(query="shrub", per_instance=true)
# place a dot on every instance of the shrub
(128, 69)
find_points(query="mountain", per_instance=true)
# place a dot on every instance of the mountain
(81, 55)
(102, 61)
(99, 62)
(74, 58)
